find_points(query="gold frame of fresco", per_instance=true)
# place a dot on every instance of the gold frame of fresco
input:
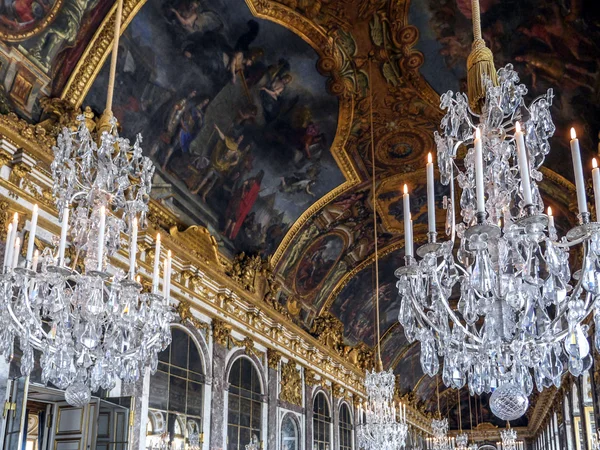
(89, 65)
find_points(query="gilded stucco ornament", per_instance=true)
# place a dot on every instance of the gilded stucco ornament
(310, 378)
(184, 310)
(329, 331)
(221, 332)
(246, 269)
(273, 358)
(291, 384)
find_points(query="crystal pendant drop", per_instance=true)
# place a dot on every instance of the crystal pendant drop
(509, 402)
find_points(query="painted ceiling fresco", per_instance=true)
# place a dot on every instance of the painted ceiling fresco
(239, 126)
(257, 114)
(41, 42)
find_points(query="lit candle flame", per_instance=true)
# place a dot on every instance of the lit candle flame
(550, 211)
(518, 127)
(573, 134)
(594, 163)
(405, 189)
(429, 158)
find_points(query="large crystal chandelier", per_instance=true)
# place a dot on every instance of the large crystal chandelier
(381, 423)
(94, 325)
(518, 318)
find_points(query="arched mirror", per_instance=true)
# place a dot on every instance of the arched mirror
(289, 434)
(321, 423)
(244, 405)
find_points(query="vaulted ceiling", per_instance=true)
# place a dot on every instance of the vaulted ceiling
(257, 115)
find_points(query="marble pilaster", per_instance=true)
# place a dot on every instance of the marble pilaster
(272, 422)
(217, 417)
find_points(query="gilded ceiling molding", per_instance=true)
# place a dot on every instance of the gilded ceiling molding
(396, 245)
(542, 407)
(92, 59)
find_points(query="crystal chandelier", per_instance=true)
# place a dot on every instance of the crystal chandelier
(94, 325)
(519, 316)
(381, 423)
(440, 439)
(509, 439)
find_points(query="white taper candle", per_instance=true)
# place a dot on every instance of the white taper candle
(596, 183)
(133, 248)
(430, 194)
(35, 260)
(578, 171)
(523, 165)
(63, 237)
(479, 172)
(15, 260)
(32, 231)
(407, 238)
(550, 218)
(7, 245)
(156, 272)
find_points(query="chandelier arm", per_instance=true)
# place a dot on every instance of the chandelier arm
(453, 317)
(37, 343)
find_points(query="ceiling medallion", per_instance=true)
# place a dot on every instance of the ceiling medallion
(93, 326)
(519, 317)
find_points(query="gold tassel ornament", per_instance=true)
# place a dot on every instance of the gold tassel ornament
(480, 64)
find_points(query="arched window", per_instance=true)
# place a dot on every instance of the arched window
(244, 405)
(177, 394)
(321, 423)
(289, 434)
(345, 428)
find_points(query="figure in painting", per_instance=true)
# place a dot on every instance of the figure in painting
(18, 14)
(241, 203)
(271, 94)
(212, 52)
(190, 122)
(317, 262)
(62, 31)
(225, 156)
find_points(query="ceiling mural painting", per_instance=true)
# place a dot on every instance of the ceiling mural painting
(551, 44)
(240, 129)
(393, 343)
(407, 367)
(355, 307)
(41, 43)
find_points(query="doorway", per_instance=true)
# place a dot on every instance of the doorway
(50, 423)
